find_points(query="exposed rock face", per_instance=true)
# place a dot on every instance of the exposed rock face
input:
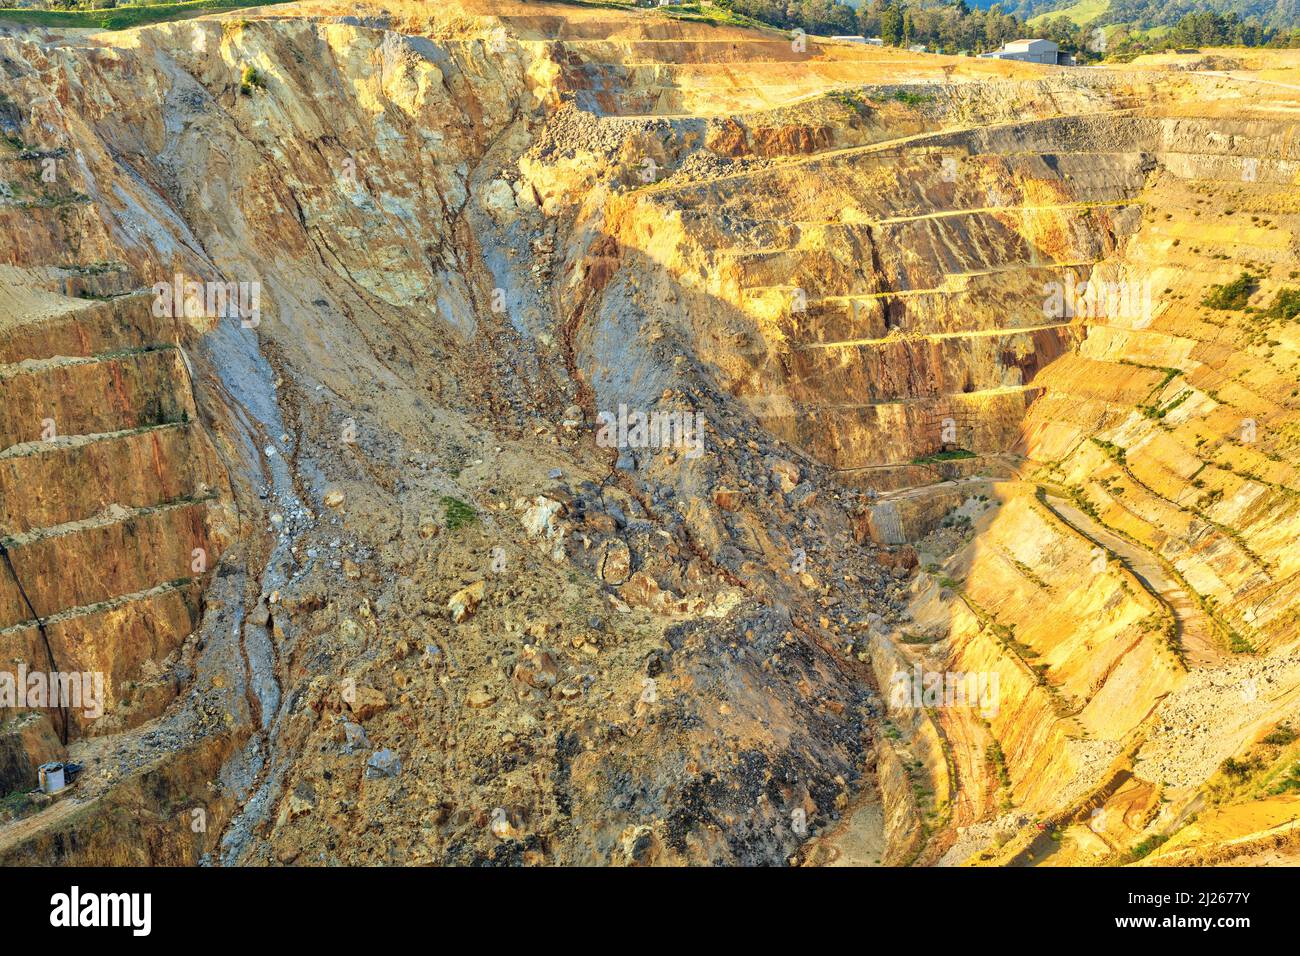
(555, 488)
(616, 564)
(466, 601)
(112, 506)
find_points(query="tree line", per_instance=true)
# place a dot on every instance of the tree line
(959, 28)
(1192, 31)
(943, 27)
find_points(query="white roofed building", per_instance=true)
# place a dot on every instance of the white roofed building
(1031, 51)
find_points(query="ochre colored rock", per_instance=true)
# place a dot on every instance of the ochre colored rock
(465, 602)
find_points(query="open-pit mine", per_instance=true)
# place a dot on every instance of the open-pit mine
(526, 433)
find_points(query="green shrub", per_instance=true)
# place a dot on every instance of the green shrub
(250, 80)
(1237, 769)
(1233, 295)
(955, 455)
(911, 98)
(1280, 736)
(1286, 305)
(1113, 451)
(993, 755)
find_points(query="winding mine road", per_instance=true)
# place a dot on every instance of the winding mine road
(882, 146)
(21, 830)
(1196, 632)
(940, 336)
(1225, 75)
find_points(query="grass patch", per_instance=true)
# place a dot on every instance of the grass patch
(1145, 847)
(955, 455)
(908, 637)
(1081, 501)
(124, 18)
(695, 12)
(15, 805)
(457, 513)
(1083, 12)
(1165, 628)
(714, 15)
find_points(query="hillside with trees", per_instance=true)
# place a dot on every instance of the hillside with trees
(941, 27)
(1278, 16)
(1122, 29)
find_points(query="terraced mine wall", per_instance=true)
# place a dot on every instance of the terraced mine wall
(106, 485)
(343, 507)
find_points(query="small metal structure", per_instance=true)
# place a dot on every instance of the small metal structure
(51, 777)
